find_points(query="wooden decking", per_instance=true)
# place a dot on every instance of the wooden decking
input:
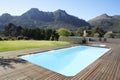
(107, 67)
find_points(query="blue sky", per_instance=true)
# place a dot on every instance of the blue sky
(85, 9)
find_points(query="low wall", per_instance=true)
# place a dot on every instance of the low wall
(78, 40)
(71, 39)
(113, 40)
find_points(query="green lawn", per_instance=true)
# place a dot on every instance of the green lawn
(27, 44)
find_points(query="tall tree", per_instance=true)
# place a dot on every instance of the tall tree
(48, 33)
(54, 35)
(12, 30)
(98, 30)
(35, 33)
(80, 31)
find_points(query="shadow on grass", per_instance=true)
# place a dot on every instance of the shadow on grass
(7, 62)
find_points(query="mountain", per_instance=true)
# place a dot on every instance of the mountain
(35, 18)
(4, 19)
(109, 23)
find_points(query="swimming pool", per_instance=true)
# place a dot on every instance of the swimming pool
(67, 61)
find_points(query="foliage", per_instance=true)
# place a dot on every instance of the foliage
(54, 35)
(7, 37)
(0, 39)
(20, 38)
(35, 33)
(12, 30)
(80, 31)
(63, 32)
(27, 44)
(109, 34)
(97, 35)
(98, 30)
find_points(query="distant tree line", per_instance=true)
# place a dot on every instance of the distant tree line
(12, 30)
(17, 32)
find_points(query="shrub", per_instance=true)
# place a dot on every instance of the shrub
(20, 37)
(26, 38)
(96, 35)
(109, 35)
(52, 38)
(5, 38)
(13, 38)
(0, 39)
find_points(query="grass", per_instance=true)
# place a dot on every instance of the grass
(27, 44)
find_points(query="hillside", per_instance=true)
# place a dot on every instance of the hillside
(35, 18)
(109, 23)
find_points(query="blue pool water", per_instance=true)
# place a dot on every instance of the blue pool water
(67, 61)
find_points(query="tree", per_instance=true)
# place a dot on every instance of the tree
(63, 32)
(40, 34)
(12, 30)
(27, 32)
(54, 35)
(109, 35)
(36, 33)
(80, 31)
(48, 33)
(96, 35)
(98, 30)
(0, 39)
